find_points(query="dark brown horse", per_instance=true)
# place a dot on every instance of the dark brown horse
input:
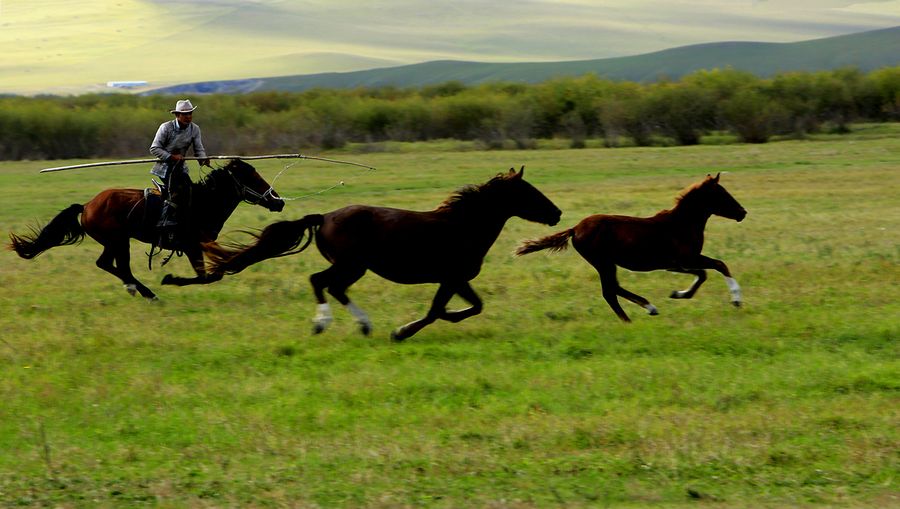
(115, 216)
(445, 246)
(670, 240)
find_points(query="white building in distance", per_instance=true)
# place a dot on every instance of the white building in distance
(125, 84)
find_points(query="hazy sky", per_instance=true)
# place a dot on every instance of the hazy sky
(610, 28)
(53, 45)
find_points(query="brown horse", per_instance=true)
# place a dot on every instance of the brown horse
(115, 216)
(670, 240)
(445, 246)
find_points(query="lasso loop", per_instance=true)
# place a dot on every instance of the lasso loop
(368, 169)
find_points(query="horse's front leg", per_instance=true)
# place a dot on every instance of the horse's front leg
(465, 291)
(705, 262)
(195, 257)
(438, 310)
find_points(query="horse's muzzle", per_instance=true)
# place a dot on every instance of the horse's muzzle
(555, 220)
(274, 205)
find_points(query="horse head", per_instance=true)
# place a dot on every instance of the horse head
(525, 201)
(252, 187)
(720, 202)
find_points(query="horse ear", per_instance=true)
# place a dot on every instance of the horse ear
(517, 175)
(714, 180)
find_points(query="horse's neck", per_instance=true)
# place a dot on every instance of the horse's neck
(214, 206)
(688, 216)
(480, 226)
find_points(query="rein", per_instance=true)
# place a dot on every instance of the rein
(248, 194)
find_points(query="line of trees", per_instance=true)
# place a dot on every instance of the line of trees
(499, 115)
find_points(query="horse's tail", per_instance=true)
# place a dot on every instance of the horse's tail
(62, 230)
(278, 239)
(556, 242)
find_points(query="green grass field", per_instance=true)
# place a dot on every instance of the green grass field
(220, 396)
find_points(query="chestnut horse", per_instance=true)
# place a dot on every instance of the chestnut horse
(445, 246)
(116, 216)
(671, 240)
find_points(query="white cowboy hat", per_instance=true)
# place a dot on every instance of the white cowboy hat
(184, 106)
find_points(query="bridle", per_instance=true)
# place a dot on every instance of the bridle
(250, 195)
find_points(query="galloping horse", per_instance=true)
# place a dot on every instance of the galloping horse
(115, 216)
(446, 246)
(671, 240)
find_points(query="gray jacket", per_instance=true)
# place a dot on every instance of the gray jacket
(171, 140)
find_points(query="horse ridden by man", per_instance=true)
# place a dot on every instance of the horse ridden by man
(115, 216)
(162, 218)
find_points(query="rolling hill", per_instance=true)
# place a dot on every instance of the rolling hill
(867, 51)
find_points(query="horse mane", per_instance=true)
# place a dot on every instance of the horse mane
(210, 177)
(687, 194)
(209, 180)
(470, 195)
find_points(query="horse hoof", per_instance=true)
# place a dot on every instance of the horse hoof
(131, 289)
(153, 298)
(318, 328)
(737, 303)
(651, 310)
(395, 338)
(365, 329)
(168, 279)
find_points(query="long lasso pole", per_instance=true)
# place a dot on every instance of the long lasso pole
(243, 158)
(271, 187)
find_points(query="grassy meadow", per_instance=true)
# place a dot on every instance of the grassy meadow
(220, 396)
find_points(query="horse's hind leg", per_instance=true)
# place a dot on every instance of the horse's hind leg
(687, 294)
(611, 291)
(438, 310)
(117, 261)
(337, 280)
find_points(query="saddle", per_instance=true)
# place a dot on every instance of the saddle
(155, 215)
(153, 205)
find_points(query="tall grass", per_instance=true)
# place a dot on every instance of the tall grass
(220, 396)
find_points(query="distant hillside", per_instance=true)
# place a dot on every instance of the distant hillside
(868, 51)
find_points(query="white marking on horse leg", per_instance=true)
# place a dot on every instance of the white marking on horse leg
(131, 289)
(365, 324)
(651, 310)
(735, 290)
(323, 317)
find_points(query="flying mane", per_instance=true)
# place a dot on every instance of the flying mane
(687, 194)
(470, 196)
(210, 179)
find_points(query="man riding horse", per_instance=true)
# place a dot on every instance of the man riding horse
(170, 146)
